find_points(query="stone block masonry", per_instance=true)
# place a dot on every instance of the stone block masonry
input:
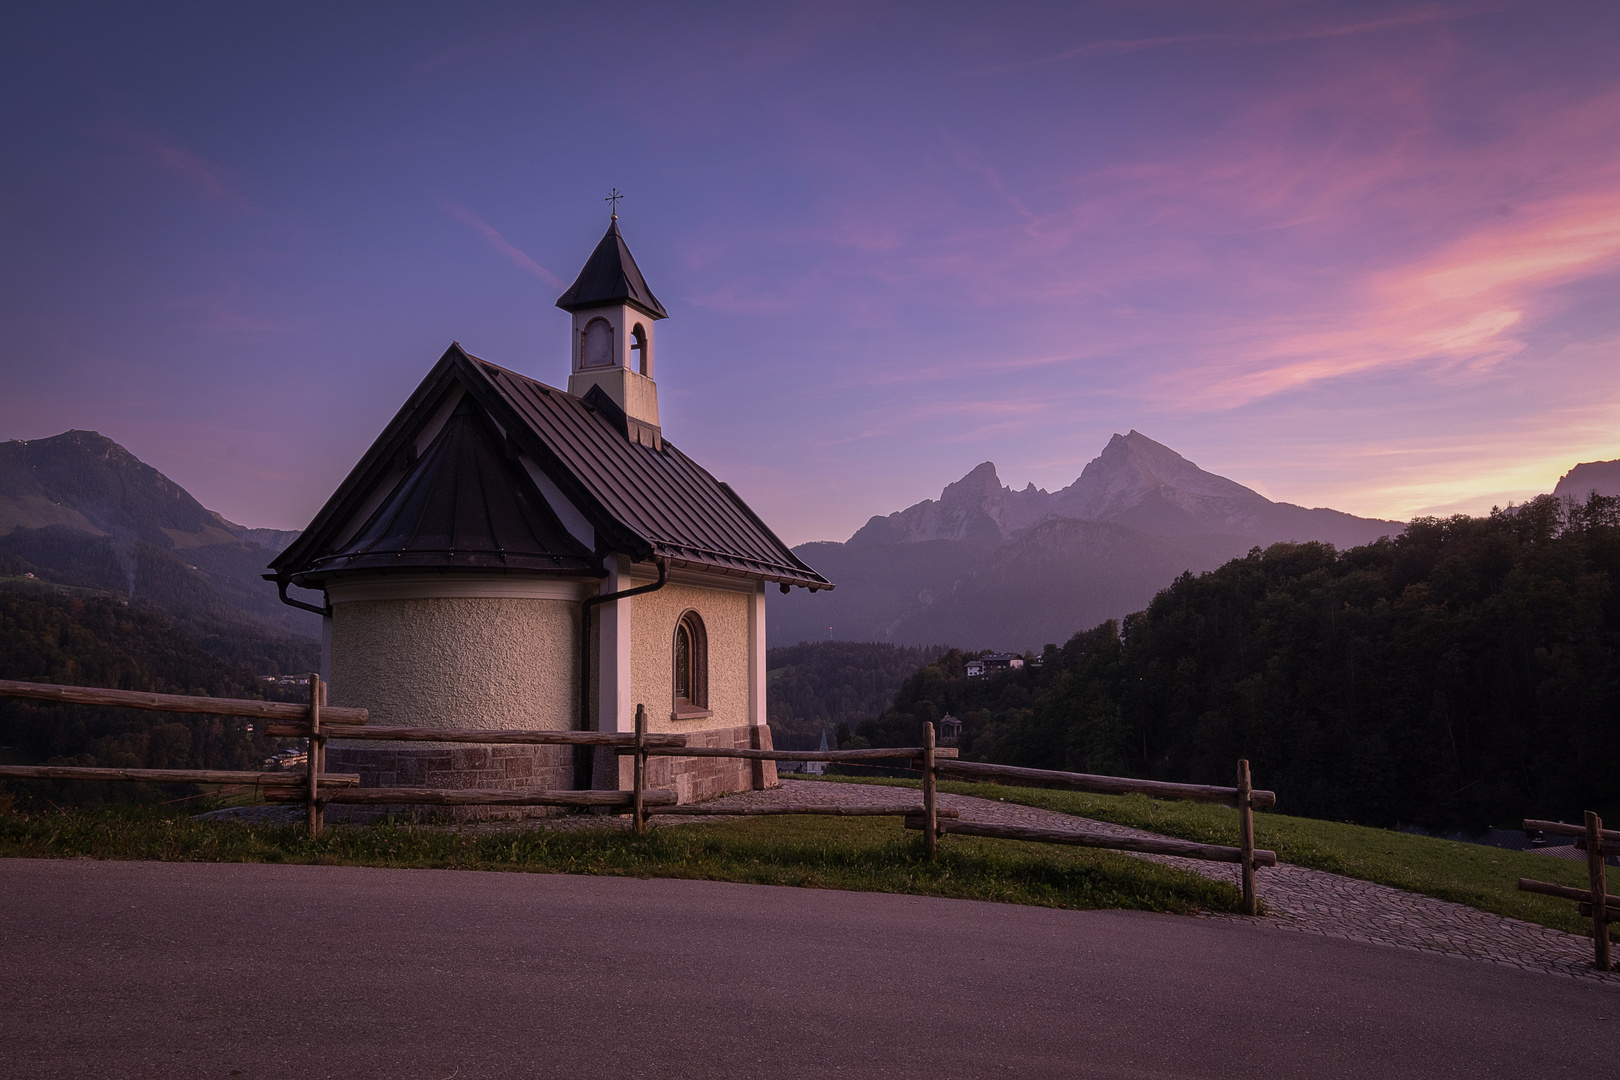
(516, 768)
(696, 779)
(454, 765)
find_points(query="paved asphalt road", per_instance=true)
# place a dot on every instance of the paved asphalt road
(200, 970)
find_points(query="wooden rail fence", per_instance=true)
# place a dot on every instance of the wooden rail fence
(272, 711)
(1594, 900)
(935, 822)
(316, 788)
(318, 722)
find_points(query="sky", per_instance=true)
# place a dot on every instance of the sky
(1359, 255)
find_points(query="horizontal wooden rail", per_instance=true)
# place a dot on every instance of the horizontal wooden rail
(181, 703)
(1185, 849)
(1558, 828)
(471, 735)
(700, 809)
(884, 754)
(171, 776)
(1106, 785)
(478, 797)
(1564, 892)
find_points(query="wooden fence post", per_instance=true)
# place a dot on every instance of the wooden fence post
(1245, 787)
(930, 796)
(640, 783)
(1600, 910)
(317, 751)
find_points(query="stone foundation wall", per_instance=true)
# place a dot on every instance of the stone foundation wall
(456, 765)
(696, 779)
(514, 768)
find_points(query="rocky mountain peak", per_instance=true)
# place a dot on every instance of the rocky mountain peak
(980, 484)
(1602, 477)
(1135, 481)
(1133, 469)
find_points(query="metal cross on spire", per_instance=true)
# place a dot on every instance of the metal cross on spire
(614, 197)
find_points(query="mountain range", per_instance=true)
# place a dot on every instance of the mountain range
(982, 566)
(78, 509)
(987, 566)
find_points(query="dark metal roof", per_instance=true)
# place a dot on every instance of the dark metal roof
(641, 502)
(611, 277)
(663, 498)
(462, 504)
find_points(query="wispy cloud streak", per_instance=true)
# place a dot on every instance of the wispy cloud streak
(512, 252)
(1421, 13)
(201, 175)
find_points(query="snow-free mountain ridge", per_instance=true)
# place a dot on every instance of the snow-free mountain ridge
(990, 566)
(79, 509)
(1602, 477)
(1134, 481)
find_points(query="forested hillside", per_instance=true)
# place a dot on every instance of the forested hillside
(101, 641)
(78, 509)
(1465, 673)
(818, 685)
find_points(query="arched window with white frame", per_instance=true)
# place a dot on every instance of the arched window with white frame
(690, 656)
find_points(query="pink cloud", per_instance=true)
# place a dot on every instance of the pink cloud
(1421, 13)
(1256, 262)
(495, 240)
(1464, 305)
(199, 173)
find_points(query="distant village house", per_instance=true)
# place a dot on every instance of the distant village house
(994, 662)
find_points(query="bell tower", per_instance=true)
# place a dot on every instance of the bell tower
(612, 335)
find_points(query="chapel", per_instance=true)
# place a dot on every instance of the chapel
(512, 555)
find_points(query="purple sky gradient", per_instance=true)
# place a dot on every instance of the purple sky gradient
(1363, 255)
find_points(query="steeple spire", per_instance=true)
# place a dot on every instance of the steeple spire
(611, 276)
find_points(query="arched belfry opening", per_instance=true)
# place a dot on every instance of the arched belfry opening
(641, 348)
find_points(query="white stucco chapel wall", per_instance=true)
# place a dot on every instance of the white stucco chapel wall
(724, 612)
(452, 651)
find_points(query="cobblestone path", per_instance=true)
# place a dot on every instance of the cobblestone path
(1309, 901)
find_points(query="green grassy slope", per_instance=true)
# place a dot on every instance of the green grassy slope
(870, 855)
(1481, 877)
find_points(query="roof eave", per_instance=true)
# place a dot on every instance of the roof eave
(656, 311)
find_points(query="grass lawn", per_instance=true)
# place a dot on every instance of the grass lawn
(1481, 877)
(863, 854)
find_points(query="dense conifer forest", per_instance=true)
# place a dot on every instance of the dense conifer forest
(1462, 674)
(817, 685)
(87, 639)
